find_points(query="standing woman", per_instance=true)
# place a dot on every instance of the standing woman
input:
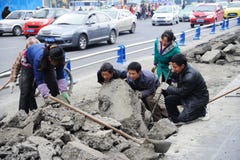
(164, 50)
(47, 69)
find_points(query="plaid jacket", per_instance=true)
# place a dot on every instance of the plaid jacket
(16, 67)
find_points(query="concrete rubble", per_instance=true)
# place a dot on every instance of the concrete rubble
(221, 50)
(57, 133)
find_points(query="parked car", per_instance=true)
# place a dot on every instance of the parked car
(184, 14)
(166, 15)
(80, 29)
(125, 20)
(14, 22)
(206, 14)
(233, 10)
(41, 18)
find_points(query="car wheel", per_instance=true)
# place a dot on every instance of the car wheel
(153, 24)
(1, 34)
(133, 28)
(112, 37)
(82, 42)
(192, 25)
(17, 31)
(27, 36)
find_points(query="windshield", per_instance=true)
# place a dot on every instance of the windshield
(44, 13)
(71, 19)
(205, 8)
(234, 5)
(15, 15)
(189, 8)
(164, 9)
(111, 13)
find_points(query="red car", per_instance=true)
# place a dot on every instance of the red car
(41, 18)
(206, 14)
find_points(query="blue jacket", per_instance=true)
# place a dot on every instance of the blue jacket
(147, 83)
(34, 56)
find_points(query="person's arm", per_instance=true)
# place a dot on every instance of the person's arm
(16, 68)
(155, 61)
(61, 81)
(151, 88)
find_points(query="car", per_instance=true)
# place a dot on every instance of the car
(41, 18)
(232, 10)
(125, 20)
(207, 13)
(79, 29)
(166, 15)
(14, 22)
(184, 14)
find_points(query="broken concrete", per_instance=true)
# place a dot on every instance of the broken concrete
(211, 56)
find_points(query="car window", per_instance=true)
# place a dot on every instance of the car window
(59, 13)
(44, 13)
(15, 15)
(92, 18)
(103, 18)
(206, 8)
(70, 19)
(28, 14)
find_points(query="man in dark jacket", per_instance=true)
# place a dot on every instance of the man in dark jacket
(145, 84)
(107, 73)
(191, 92)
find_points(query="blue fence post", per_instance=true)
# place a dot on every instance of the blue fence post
(213, 31)
(68, 64)
(182, 39)
(223, 25)
(227, 24)
(198, 33)
(121, 54)
(238, 21)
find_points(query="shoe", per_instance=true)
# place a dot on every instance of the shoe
(205, 118)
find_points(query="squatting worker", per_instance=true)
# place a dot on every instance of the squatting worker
(107, 73)
(191, 92)
(164, 49)
(145, 84)
(45, 65)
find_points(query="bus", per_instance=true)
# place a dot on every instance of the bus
(84, 5)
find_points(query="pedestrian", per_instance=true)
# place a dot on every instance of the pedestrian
(107, 73)
(131, 9)
(144, 83)
(5, 12)
(191, 92)
(164, 49)
(42, 68)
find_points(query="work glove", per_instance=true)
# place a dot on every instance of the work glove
(139, 94)
(66, 96)
(12, 85)
(164, 86)
(153, 69)
(62, 85)
(43, 89)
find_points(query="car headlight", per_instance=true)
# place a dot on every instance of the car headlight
(210, 16)
(67, 34)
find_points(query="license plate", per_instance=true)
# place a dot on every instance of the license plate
(30, 30)
(200, 20)
(49, 39)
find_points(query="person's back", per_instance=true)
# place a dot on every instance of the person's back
(5, 12)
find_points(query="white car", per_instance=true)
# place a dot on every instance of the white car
(125, 20)
(166, 15)
(14, 22)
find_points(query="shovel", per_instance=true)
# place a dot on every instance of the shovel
(158, 144)
(4, 85)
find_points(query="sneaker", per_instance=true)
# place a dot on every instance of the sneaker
(205, 118)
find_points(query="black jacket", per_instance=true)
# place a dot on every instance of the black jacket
(116, 74)
(191, 87)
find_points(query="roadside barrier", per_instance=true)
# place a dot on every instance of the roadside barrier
(213, 31)
(182, 39)
(198, 33)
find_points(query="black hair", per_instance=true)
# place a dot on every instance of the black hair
(107, 67)
(55, 52)
(179, 59)
(135, 66)
(169, 35)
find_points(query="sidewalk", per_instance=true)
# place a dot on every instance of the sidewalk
(215, 139)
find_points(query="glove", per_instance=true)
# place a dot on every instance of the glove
(44, 91)
(153, 69)
(12, 85)
(164, 86)
(62, 85)
(66, 96)
(139, 94)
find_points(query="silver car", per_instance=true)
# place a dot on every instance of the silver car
(14, 22)
(79, 29)
(125, 20)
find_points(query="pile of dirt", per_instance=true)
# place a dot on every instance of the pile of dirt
(57, 133)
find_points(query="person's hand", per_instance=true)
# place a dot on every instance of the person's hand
(139, 94)
(164, 86)
(11, 85)
(66, 96)
(153, 69)
(44, 90)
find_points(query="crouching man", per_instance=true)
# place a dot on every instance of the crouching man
(145, 84)
(191, 92)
